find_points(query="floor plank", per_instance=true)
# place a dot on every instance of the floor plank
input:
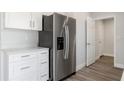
(102, 70)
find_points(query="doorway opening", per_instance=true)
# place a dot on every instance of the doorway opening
(103, 44)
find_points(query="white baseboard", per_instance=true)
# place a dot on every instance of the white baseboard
(80, 67)
(118, 65)
(108, 54)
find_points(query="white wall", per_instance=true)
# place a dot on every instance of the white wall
(108, 37)
(119, 39)
(80, 38)
(99, 38)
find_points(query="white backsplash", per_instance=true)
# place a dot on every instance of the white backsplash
(18, 39)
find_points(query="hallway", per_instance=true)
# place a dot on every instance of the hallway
(101, 70)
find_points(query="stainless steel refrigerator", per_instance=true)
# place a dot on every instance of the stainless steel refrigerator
(59, 34)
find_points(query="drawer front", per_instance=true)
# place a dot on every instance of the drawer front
(43, 55)
(43, 77)
(21, 57)
(26, 77)
(27, 56)
(43, 66)
(24, 67)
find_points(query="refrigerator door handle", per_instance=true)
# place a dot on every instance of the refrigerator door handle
(65, 49)
(66, 38)
(67, 30)
(66, 42)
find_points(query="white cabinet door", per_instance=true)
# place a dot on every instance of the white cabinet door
(18, 20)
(37, 21)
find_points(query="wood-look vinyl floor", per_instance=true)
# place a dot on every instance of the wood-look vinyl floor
(102, 70)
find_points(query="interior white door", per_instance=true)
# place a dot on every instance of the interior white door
(90, 41)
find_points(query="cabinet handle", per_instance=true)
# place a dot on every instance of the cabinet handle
(23, 68)
(44, 75)
(44, 53)
(44, 62)
(25, 56)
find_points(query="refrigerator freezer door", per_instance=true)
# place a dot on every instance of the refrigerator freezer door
(59, 64)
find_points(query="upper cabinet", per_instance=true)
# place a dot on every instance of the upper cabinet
(36, 21)
(18, 20)
(23, 20)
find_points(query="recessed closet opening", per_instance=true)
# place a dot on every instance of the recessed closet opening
(105, 40)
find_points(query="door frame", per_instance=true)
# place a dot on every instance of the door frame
(115, 22)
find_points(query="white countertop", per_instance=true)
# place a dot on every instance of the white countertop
(122, 78)
(8, 51)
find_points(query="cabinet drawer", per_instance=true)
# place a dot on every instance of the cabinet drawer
(27, 56)
(26, 77)
(21, 57)
(24, 67)
(44, 77)
(43, 66)
(43, 55)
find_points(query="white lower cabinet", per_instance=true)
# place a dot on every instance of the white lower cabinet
(43, 70)
(31, 66)
(43, 65)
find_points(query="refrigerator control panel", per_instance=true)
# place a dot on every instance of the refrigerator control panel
(60, 43)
